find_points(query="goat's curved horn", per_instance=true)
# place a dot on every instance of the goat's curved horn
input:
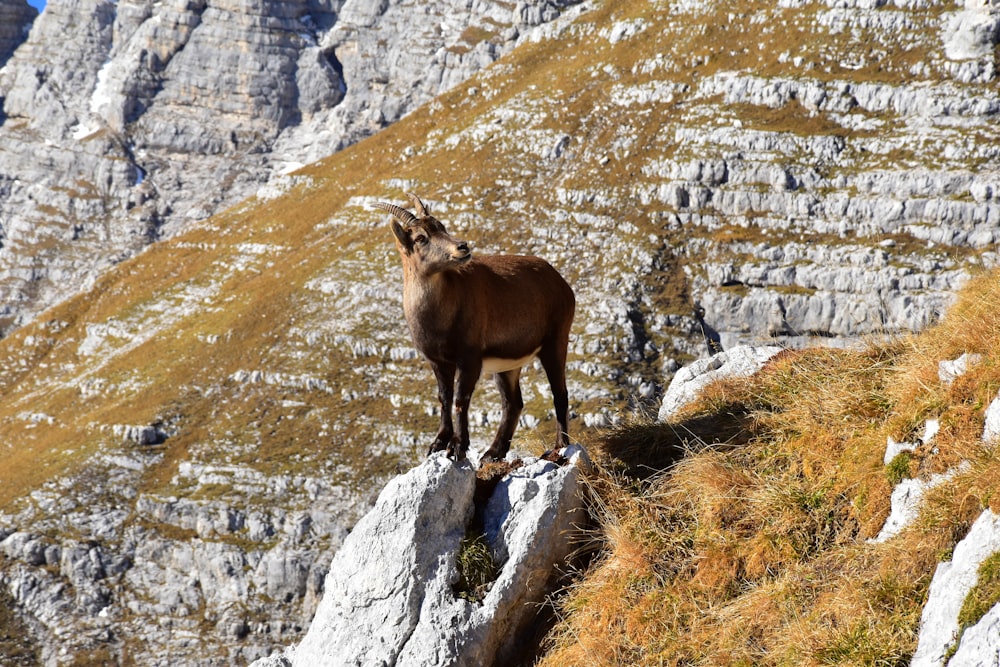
(422, 211)
(397, 212)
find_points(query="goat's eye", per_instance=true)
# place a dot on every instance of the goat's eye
(420, 240)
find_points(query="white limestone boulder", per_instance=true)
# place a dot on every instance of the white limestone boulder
(951, 584)
(991, 427)
(950, 370)
(689, 381)
(972, 32)
(980, 645)
(906, 499)
(389, 597)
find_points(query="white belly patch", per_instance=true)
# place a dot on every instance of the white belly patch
(496, 365)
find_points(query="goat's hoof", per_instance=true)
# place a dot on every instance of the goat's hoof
(553, 456)
(456, 451)
(485, 460)
(437, 446)
(490, 456)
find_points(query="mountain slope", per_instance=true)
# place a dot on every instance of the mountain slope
(765, 544)
(124, 121)
(183, 444)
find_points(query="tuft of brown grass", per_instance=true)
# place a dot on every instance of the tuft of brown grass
(749, 545)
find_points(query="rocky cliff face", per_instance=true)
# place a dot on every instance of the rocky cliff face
(123, 121)
(15, 21)
(885, 189)
(181, 443)
(97, 568)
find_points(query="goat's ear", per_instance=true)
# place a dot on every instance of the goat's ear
(402, 236)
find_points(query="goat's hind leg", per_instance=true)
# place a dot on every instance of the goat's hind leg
(553, 358)
(512, 403)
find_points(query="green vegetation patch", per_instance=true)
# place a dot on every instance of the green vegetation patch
(476, 568)
(984, 595)
(898, 468)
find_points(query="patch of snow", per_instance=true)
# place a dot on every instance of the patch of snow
(101, 97)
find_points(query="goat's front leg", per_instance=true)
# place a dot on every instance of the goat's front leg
(445, 374)
(468, 375)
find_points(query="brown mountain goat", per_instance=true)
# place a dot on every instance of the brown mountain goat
(492, 313)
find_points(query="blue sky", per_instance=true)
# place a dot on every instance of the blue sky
(37, 4)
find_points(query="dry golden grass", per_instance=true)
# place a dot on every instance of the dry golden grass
(756, 552)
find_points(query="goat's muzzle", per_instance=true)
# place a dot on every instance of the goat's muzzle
(462, 252)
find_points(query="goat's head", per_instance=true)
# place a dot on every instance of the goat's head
(423, 241)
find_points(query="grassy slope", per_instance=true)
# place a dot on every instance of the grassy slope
(757, 554)
(160, 376)
(185, 315)
(478, 152)
(172, 325)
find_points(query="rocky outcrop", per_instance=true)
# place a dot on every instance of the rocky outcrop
(939, 626)
(845, 186)
(974, 31)
(905, 502)
(96, 566)
(908, 494)
(688, 383)
(15, 21)
(991, 428)
(390, 597)
(942, 639)
(123, 122)
(980, 644)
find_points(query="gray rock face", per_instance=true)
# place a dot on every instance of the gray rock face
(951, 583)
(974, 31)
(770, 183)
(156, 576)
(980, 646)
(395, 561)
(389, 597)
(690, 380)
(991, 429)
(125, 121)
(15, 21)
